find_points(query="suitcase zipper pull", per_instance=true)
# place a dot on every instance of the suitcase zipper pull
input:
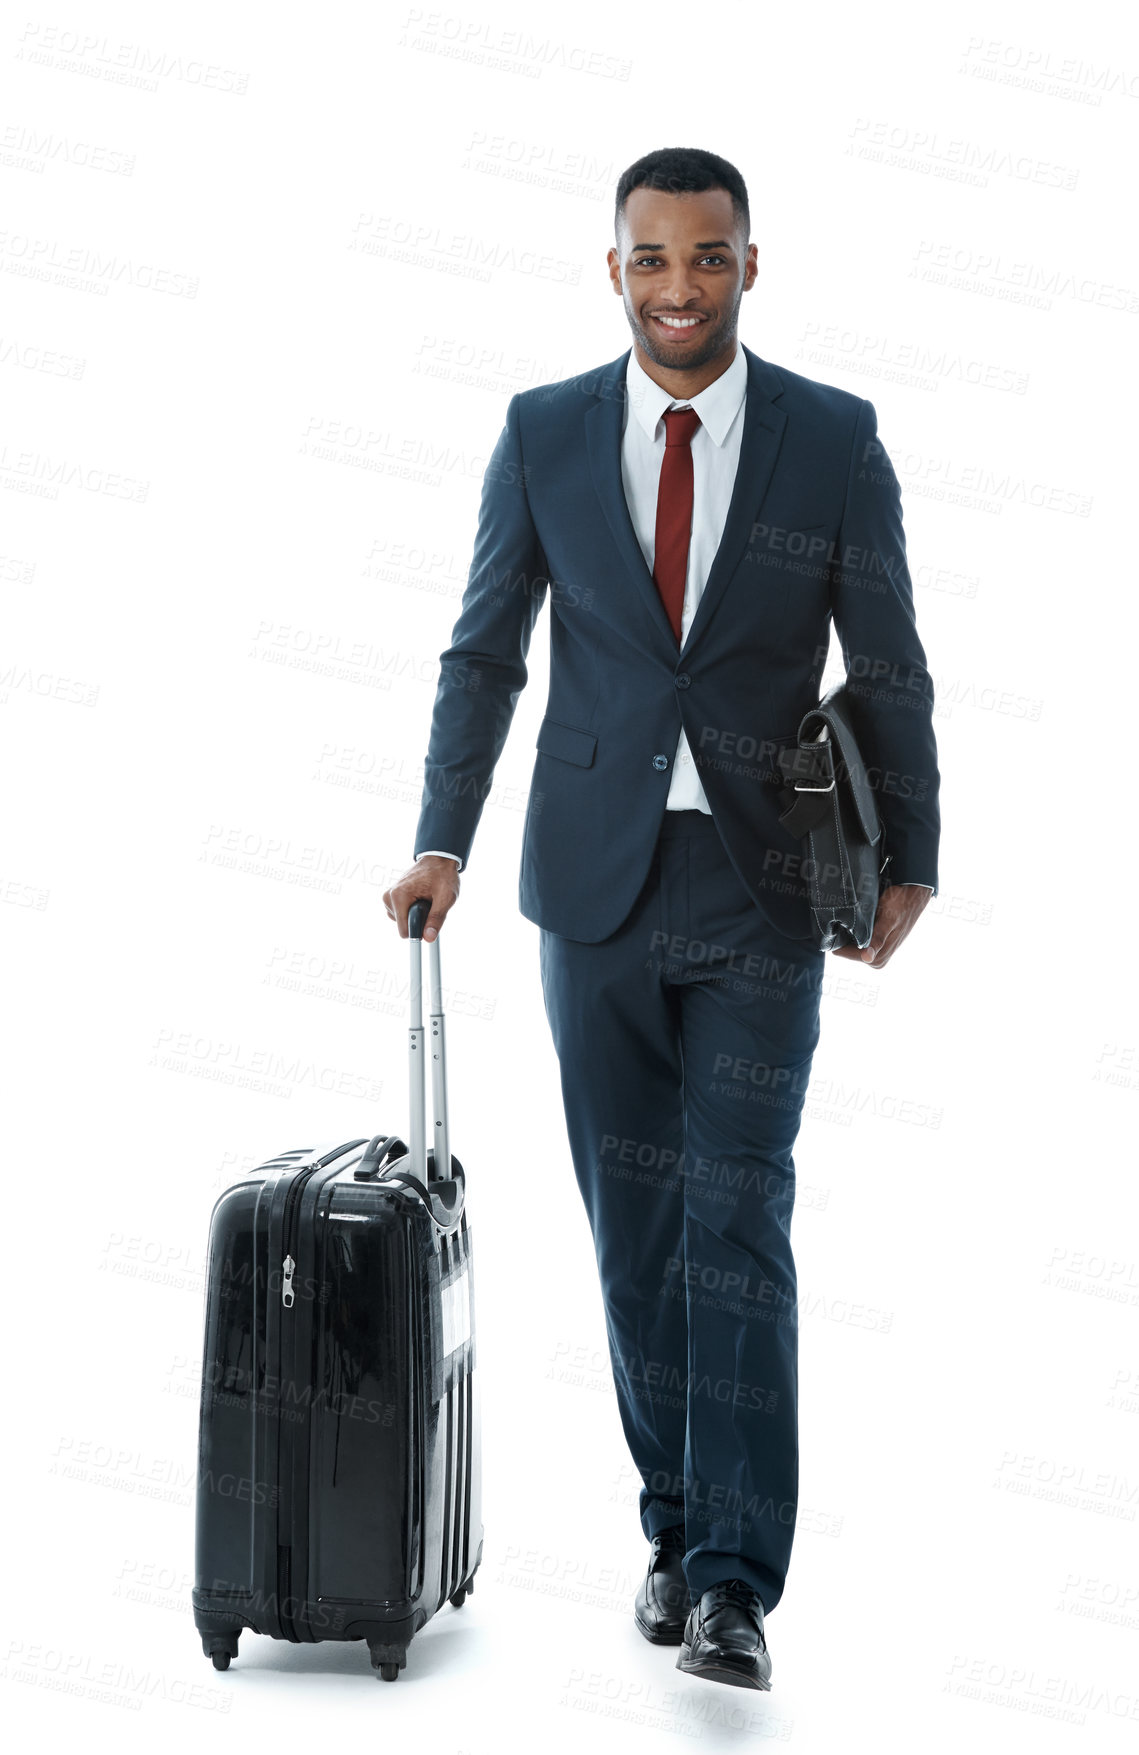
(287, 1294)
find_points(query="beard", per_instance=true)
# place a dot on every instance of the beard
(716, 332)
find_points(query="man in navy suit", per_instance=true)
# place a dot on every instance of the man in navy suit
(696, 517)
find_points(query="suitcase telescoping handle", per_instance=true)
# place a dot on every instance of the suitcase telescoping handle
(383, 1159)
(417, 1052)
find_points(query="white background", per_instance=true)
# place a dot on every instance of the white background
(263, 307)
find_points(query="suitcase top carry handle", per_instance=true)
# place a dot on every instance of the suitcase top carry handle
(381, 1150)
(443, 1198)
(417, 1050)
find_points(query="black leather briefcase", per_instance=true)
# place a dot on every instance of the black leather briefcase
(339, 1487)
(830, 804)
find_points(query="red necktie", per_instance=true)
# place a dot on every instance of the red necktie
(674, 512)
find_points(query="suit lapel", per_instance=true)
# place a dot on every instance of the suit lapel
(603, 427)
(759, 447)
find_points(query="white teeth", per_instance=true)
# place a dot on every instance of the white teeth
(679, 322)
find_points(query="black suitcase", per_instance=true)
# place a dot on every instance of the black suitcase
(339, 1482)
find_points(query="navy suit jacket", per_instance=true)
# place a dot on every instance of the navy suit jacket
(813, 533)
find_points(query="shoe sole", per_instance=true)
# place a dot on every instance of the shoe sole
(720, 1672)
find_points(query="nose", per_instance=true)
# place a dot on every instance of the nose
(679, 288)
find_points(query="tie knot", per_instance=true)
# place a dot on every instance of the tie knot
(679, 426)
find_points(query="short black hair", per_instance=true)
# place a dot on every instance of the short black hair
(684, 170)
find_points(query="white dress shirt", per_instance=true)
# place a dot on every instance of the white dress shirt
(715, 459)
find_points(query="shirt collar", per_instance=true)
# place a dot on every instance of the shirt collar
(717, 405)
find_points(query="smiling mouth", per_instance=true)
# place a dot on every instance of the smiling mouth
(680, 326)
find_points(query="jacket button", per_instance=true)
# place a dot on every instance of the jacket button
(683, 680)
(660, 761)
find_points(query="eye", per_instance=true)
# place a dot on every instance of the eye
(646, 261)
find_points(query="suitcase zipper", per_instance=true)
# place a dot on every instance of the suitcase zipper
(288, 1373)
(292, 1199)
(287, 1356)
(288, 1266)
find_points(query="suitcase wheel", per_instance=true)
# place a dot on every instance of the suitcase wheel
(389, 1660)
(221, 1647)
(464, 1591)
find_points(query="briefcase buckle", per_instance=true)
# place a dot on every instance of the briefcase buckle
(802, 785)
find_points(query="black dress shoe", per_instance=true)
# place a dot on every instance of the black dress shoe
(663, 1601)
(723, 1637)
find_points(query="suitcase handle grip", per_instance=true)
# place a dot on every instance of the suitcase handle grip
(378, 1152)
(421, 1163)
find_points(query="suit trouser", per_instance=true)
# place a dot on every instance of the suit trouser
(684, 1042)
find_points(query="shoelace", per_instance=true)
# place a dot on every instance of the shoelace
(736, 1590)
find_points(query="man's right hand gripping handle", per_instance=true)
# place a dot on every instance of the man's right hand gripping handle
(435, 876)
